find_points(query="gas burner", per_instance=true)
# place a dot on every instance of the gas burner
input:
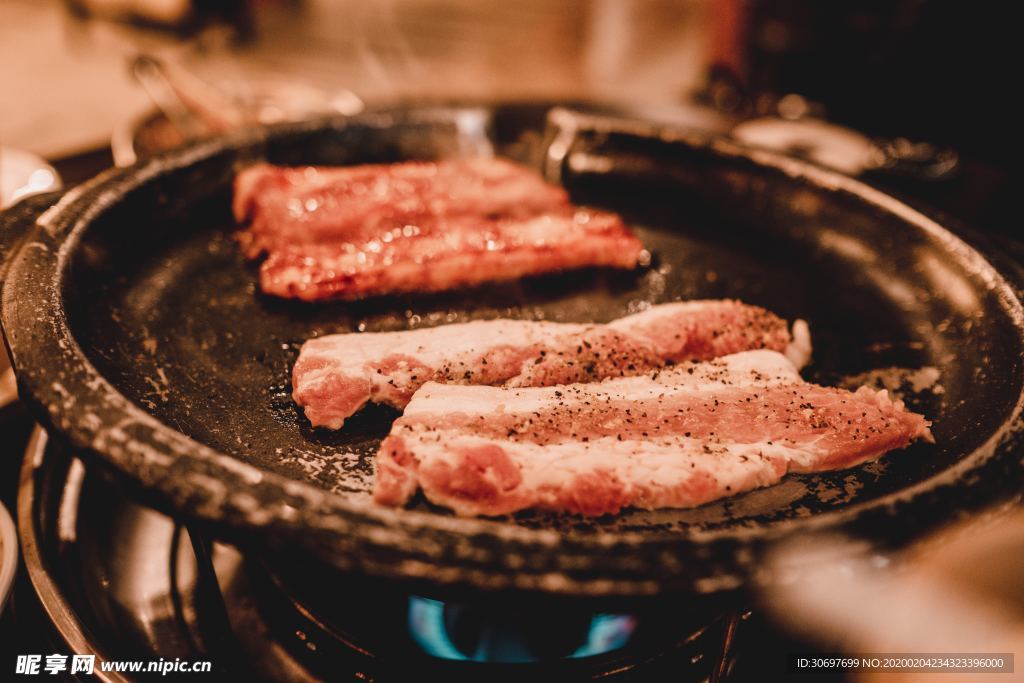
(125, 582)
(392, 631)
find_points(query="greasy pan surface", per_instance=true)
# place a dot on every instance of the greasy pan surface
(137, 330)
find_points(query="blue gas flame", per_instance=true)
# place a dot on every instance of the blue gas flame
(607, 632)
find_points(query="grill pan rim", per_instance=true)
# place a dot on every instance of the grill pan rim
(63, 386)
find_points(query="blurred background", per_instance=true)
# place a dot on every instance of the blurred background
(914, 96)
(927, 83)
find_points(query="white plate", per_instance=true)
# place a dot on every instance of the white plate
(8, 555)
(22, 174)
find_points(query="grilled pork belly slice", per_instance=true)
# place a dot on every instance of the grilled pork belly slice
(336, 375)
(340, 203)
(438, 253)
(680, 437)
(348, 233)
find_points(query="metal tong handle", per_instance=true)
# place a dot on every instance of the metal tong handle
(195, 108)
